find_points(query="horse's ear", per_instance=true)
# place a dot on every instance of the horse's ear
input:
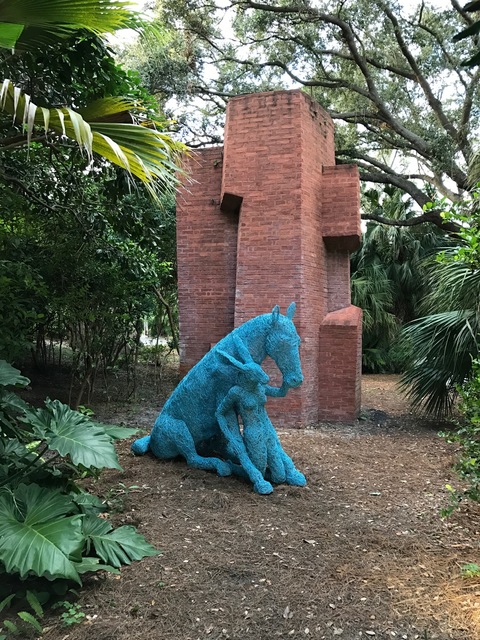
(291, 310)
(275, 314)
(231, 359)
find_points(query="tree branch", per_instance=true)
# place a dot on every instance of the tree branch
(433, 217)
(28, 192)
(434, 103)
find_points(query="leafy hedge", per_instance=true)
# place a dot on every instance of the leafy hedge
(49, 526)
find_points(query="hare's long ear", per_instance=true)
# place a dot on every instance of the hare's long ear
(242, 349)
(291, 310)
(275, 314)
(231, 359)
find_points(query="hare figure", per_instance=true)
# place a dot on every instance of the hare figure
(247, 400)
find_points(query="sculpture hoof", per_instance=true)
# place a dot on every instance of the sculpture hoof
(141, 446)
(223, 469)
(278, 478)
(296, 479)
(262, 487)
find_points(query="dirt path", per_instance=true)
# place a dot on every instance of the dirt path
(361, 552)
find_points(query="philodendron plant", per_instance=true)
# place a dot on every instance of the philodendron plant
(49, 526)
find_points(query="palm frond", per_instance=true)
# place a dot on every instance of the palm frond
(442, 345)
(453, 285)
(61, 17)
(146, 153)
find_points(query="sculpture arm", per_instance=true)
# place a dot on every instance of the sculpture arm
(226, 409)
(277, 392)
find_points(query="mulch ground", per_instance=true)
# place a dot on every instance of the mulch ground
(361, 552)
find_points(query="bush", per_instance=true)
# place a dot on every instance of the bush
(467, 435)
(49, 526)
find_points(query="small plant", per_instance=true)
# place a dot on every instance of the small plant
(72, 613)
(28, 622)
(467, 435)
(471, 570)
(454, 499)
(115, 498)
(85, 411)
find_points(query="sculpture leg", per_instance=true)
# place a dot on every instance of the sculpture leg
(280, 464)
(236, 447)
(141, 446)
(260, 485)
(173, 438)
(276, 469)
(256, 448)
(294, 477)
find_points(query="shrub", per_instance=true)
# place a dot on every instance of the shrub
(49, 526)
(467, 434)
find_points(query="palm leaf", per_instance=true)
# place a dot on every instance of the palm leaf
(116, 547)
(9, 34)
(72, 434)
(36, 536)
(61, 17)
(442, 345)
(145, 153)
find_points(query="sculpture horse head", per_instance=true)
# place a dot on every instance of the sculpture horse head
(282, 345)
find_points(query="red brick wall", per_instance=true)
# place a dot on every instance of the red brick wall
(340, 364)
(278, 159)
(206, 254)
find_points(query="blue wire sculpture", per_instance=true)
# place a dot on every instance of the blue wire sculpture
(226, 384)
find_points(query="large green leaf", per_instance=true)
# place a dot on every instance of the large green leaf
(11, 403)
(11, 376)
(118, 433)
(37, 536)
(144, 152)
(11, 447)
(442, 345)
(88, 503)
(93, 564)
(9, 34)
(116, 546)
(61, 17)
(74, 435)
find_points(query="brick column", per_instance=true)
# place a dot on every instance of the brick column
(298, 219)
(206, 255)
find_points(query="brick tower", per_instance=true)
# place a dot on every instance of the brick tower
(270, 219)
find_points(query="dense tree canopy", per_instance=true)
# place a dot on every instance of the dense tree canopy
(405, 110)
(122, 130)
(84, 253)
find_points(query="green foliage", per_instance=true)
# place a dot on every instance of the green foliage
(49, 527)
(441, 349)
(471, 31)
(467, 434)
(447, 336)
(104, 126)
(101, 261)
(28, 621)
(72, 613)
(471, 570)
(58, 18)
(21, 295)
(377, 66)
(389, 277)
(115, 547)
(82, 264)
